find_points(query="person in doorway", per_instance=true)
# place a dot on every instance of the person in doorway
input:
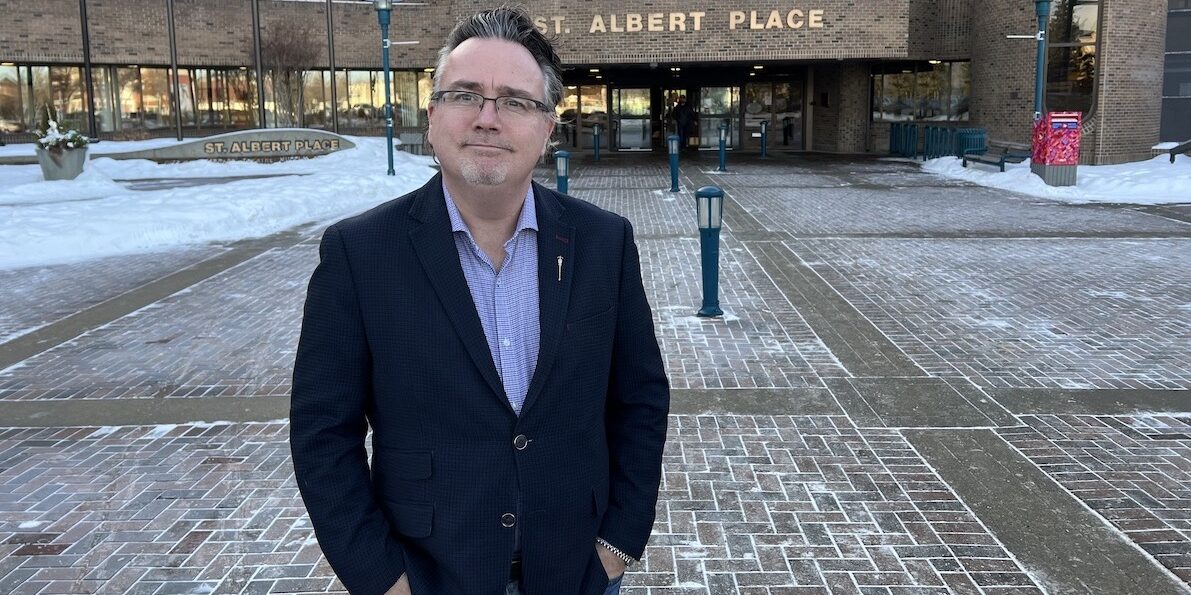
(684, 118)
(496, 339)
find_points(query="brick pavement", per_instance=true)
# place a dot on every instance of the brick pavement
(1134, 471)
(750, 504)
(973, 286)
(32, 297)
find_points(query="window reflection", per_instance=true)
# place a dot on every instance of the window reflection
(921, 91)
(130, 98)
(1071, 55)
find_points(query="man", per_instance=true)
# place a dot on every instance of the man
(684, 116)
(495, 337)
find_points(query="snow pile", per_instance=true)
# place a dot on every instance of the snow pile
(96, 215)
(1152, 182)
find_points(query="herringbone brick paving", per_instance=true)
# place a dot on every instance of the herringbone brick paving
(234, 335)
(749, 504)
(1135, 471)
(31, 297)
(1044, 313)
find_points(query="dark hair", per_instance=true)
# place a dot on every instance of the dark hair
(510, 24)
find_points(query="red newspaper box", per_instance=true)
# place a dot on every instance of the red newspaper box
(1056, 147)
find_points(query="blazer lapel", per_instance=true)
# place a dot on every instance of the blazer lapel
(434, 243)
(556, 240)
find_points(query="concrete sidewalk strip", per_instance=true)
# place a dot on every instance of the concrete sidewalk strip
(1066, 547)
(859, 346)
(915, 402)
(120, 305)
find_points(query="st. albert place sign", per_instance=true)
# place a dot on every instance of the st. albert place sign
(263, 145)
(633, 22)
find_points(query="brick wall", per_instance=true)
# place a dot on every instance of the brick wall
(1127, 112)
(840, 125)
(1003, 69)
(40, 31)
(218, 33)
(940, 30)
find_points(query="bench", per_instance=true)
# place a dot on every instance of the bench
(998, 153)
(1179, 150)
(411, 142)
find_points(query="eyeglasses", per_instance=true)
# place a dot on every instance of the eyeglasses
(520, 107)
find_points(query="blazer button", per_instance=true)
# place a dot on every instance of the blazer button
(507, 520)
(520, 442)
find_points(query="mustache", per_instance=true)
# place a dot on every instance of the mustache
(485, 140)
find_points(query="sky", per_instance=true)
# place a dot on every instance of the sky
(97, 214)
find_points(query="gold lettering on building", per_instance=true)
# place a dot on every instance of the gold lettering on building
(656, 22)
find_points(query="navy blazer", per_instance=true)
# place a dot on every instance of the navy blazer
(391, 340)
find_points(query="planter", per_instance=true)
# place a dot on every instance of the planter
(65, 164)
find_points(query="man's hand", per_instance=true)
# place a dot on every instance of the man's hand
(613, 566)
(401, 588)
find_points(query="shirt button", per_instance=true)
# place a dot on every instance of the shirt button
(520, 442)
(507, 520)
(504, 342)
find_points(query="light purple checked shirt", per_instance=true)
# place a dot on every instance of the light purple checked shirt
(507, 300)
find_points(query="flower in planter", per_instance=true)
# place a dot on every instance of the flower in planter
(53, 140)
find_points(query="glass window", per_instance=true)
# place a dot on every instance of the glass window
(187, 98)
(1071, 55)
(316, 99)
(921, 91)
(241, 98)
(128, 101)
(1178, 76)
(425, 89)
(11, 105)
(932, 92)
(155, 98)
(961, 90)
(405, 98)
(1178, 31)
(361, 109)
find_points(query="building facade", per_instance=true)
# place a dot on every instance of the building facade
(824, 75)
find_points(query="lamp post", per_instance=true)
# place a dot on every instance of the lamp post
(723, 145)
(1042, 7)
(764, 138)
(595, 140)
(672, 144)
(562, 163)
(709, 202)
(383, 8)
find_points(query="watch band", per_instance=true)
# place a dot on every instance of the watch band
(627, 559)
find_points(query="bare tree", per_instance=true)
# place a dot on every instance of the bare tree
(287, 51)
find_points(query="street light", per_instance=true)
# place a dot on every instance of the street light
(709, 202)
(723, 145)
(383, 8)
(562, 162)
(1042, 7)
(672, 144)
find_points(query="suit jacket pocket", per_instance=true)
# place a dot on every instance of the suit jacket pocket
(412, 519)
(585, 318)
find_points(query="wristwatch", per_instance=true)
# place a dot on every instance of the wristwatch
(627, 559)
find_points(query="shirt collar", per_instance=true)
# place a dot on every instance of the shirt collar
(527, 220)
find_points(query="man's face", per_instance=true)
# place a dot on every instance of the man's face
(487, 147)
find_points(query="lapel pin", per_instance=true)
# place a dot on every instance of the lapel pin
(560, 268)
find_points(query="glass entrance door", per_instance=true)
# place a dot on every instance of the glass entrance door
(780, 104)
(716, 105)
(582, 109)
(631, 113)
